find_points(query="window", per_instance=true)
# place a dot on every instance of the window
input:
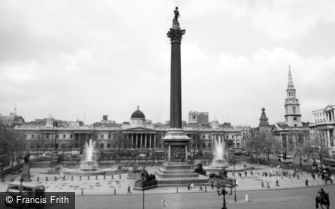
(71, 136)
(64, 136)
(294, 118)
(32, 136)
(102, 145)
(294, 109)
(109, 136)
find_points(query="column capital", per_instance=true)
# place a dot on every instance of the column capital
(175, 35)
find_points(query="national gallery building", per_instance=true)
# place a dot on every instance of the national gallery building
(138, 134)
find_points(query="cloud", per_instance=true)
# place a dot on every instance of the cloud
(68, 58)
(276, 19)
(237, 86)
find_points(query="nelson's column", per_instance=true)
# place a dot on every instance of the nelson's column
(176, 170)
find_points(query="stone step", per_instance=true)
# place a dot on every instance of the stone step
(163, 170)
(178, 167)
(176, 175)
(181, 182)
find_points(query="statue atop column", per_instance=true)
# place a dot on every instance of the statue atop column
(175, 23)
(176, 15)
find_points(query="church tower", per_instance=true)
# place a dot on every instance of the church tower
(292, 106)
(263, 120)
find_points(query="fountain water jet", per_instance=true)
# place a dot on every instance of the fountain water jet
(89, 162)
(219, 160)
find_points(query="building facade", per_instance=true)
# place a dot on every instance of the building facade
(200, 118)
(323, 132)
(138, 134)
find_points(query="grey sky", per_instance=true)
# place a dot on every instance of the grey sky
(70, 58)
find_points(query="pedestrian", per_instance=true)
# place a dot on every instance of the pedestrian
(277, 183)
(306, 182)
(200, 188)
(129, 191)
(262, 183)
(245, 173)
(212, 185)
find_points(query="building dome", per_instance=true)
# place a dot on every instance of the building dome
(138, 114)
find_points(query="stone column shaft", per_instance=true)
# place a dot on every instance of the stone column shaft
(175, 34)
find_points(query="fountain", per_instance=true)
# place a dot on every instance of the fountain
(220, 156)
(88, 163)
(219, 160)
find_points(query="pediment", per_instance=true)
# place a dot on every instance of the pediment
(329, 108)
(139, 129)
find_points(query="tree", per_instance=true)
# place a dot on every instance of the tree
(256, 143)
(10, 142)
(263, 143)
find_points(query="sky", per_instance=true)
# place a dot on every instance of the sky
(83, 59)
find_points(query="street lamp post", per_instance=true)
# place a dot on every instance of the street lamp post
(221, 190)
(235, 198)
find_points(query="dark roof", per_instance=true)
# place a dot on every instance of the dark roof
(138, 114)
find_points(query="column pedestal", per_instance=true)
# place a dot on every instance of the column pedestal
(177, 171)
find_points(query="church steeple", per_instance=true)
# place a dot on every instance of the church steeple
(290, 81)
(292, 106)
(290, 86)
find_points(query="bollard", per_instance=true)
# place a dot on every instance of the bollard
(246, 198)
(82, 191)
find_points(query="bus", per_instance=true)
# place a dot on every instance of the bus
(284, 158)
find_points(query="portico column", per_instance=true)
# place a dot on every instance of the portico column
(146, 141)
(155, 141)
(141, 145)
(186, 153)
(328, 137)
(150, 138)
(169, 153)
(136, 139)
